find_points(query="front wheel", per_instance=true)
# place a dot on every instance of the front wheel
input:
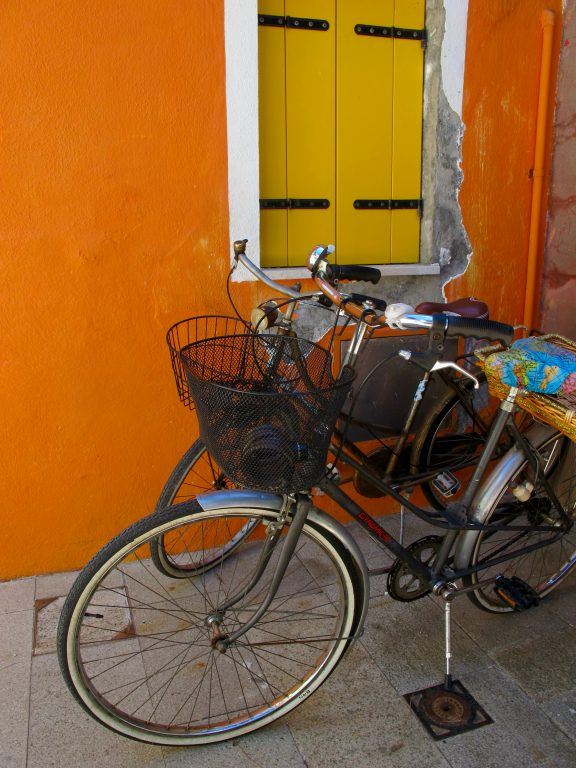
(137, 648)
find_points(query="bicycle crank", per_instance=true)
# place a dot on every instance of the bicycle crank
(403, 584)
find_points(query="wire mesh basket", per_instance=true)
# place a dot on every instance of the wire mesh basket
(558, 411)
(266, 407)
(193, 329)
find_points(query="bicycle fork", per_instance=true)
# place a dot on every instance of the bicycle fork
(302, 504)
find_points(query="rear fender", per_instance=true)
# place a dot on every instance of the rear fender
(494, 487)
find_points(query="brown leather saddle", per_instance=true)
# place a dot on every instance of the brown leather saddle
(464, 307)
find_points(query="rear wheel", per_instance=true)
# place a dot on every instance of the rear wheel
(543, 568)
(137, 648)
(450, 441)
(197, 472)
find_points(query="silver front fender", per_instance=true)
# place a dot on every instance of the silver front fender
(239, 499)
(494, 488)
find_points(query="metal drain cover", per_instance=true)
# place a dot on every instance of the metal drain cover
(446, 712)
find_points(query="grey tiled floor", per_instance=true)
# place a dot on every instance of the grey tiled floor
(520, 667)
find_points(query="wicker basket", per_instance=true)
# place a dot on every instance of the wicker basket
(558, 411)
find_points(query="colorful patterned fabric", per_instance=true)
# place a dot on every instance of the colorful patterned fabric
(536, 366)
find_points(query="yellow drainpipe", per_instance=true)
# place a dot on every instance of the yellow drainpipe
(548, 21)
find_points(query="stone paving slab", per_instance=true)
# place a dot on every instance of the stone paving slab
(521, 736)
(62, 734)
(14, 706)
(16, 631)
(519, 667)
(562, 710)
(406, 641)
(272, 747)
(17, 595)
(356, 719)
(562, 601)
(543, 666)
(494, 632)
(54, 584)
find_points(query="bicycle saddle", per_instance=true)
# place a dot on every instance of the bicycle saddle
(464, 307)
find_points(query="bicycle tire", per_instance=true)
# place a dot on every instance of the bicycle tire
(197, 472)
(122, 620)
(543, 569)
(438, 446)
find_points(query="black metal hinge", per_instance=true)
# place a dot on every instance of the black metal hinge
(266, 20)
(293, 202)
(399, 33)
(293, 22)
(388, 205)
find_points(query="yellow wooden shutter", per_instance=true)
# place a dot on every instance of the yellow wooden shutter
(310, 121)
(272, 117)
(407, 132)
(364, 132)
(340, 120)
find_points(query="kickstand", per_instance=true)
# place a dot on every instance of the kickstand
(401, 537)
(447, 643)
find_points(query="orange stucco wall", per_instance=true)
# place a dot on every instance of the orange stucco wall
(114, 222)
(503, 52)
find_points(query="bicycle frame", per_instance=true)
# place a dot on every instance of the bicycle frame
(436, 576)
(458, 516)
(343, 448)
(439, 577)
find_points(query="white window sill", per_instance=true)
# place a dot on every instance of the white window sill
(301, 273)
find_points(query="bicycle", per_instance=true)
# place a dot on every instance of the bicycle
(202, 659)
(441, 451)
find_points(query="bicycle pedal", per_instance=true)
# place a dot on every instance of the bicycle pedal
(446, 483)
(516, 593)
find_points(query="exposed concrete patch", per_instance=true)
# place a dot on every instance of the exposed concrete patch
(450, 239)
(444, 238)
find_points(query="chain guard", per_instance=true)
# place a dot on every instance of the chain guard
(403, 585)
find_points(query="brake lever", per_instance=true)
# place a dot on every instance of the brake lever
(443, 364)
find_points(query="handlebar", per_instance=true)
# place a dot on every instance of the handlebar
(322, 272)
(367, 311)
(353, 272)
(372, 311)
(240, 255)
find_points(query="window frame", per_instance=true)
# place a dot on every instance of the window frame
(241, 54)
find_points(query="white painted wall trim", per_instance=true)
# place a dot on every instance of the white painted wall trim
(241, 47)
(386, 270)
(453, 53)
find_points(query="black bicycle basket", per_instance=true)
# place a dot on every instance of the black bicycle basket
(193, 329)
(266, 407)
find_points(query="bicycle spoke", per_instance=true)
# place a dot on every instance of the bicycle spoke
(146, 651)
